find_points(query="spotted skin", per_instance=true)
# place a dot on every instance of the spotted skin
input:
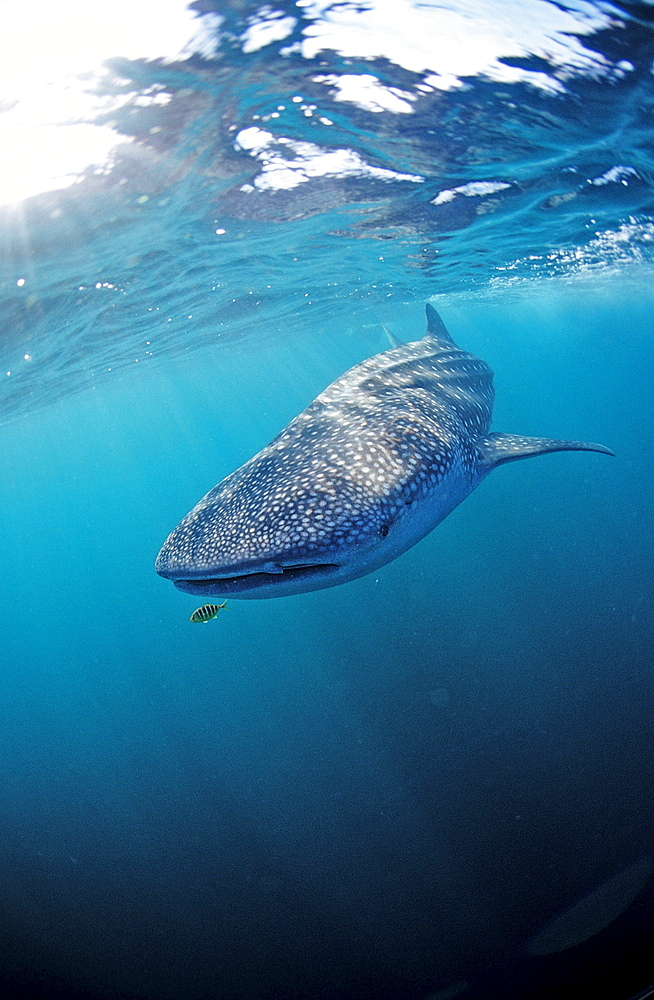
(370, 467)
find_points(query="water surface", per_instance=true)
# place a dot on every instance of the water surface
(388, 789)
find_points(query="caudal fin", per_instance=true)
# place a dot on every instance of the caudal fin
(496, 449)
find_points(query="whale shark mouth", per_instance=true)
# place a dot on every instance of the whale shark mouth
(238, 584)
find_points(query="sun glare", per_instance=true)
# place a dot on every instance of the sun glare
(52, 67)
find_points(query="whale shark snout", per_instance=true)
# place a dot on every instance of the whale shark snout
(367, 470)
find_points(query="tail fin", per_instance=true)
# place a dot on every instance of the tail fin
(496, 449)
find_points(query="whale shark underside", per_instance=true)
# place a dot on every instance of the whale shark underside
(367, 470)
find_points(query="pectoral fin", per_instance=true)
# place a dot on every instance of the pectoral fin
(496, 449)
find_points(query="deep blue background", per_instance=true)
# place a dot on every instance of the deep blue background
(376, 790)
(385, 790)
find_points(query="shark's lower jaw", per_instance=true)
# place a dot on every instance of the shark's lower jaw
(286, 580)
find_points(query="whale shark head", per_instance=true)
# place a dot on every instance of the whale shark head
(321, 505)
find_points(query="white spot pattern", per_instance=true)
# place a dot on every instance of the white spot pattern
(383, 436)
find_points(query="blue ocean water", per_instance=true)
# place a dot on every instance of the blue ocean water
(388, 789)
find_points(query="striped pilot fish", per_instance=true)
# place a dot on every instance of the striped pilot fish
(207, 612)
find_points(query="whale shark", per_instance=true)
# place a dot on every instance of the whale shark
(369, 468)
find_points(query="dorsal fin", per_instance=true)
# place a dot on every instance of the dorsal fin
(392, 339)
(436, 327)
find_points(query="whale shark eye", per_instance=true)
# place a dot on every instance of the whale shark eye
(383, 530)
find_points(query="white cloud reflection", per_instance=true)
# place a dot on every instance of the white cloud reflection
(463, 38)
(286, 163)
(267, 27)
(367, 92)
(475, 189)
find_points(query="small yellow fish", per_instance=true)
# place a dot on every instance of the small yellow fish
(206, 612)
